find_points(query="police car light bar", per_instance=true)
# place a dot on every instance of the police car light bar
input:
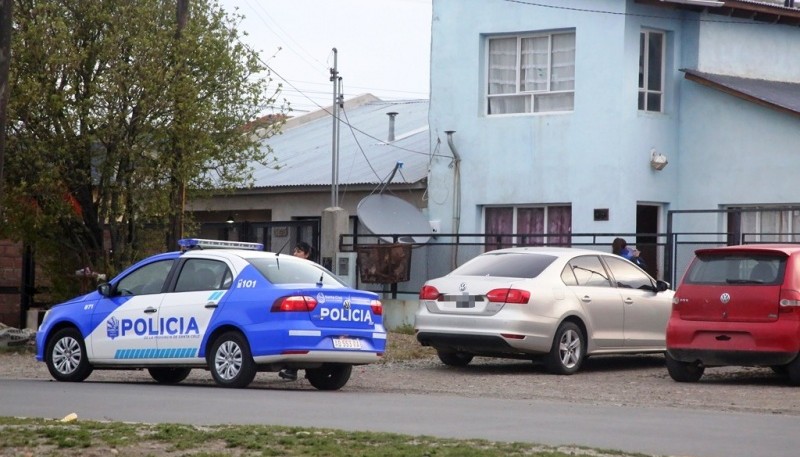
(197, 243)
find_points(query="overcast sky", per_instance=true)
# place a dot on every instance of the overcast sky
(383, 46)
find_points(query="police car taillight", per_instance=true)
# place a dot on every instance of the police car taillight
(294, 303)
(377, 307)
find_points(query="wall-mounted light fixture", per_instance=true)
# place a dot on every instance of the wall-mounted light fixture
(657, 160)
(230, 220)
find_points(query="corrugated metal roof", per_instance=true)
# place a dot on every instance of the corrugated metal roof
(304, 150)
(781, 95)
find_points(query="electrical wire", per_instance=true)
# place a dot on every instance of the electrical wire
(618, 13)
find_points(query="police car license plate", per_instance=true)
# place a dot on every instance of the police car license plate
(346, 343)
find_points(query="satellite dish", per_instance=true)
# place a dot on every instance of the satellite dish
(389, 215)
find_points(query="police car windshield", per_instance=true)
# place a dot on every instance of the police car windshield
(283, 270)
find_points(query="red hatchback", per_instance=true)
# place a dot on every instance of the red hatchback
(737, 305)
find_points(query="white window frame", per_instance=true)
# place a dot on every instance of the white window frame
(644, 70)
(529, 97)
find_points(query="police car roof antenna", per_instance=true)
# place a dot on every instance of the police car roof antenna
(282, 247)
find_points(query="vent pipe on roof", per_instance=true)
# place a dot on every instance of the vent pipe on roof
(391, 115)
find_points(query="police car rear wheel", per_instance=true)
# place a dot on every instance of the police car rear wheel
(169, 375)
(329, 376)
(230, 361)
(66, 356)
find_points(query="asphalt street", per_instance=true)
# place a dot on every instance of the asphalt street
(662, 431)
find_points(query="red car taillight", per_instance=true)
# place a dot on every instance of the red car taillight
(428, 293)
(790, 300)
(508, 296)
(294, 303)
(377, 307)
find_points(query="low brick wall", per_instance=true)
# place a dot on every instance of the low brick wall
(10, 282)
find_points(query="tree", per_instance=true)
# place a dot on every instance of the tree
(103, 94)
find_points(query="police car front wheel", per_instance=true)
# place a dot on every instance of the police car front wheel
(66, 356)
(230, 361)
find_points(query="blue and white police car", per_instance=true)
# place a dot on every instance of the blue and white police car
(228, 307)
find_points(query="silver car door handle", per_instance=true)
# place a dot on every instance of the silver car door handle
(150, 310)
(586, 298)
(628, 301)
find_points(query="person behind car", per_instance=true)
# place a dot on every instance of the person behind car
(302, 250)
(620, 247)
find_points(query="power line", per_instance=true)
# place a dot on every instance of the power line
(618, 13)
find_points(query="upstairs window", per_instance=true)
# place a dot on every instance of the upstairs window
(531, 73)
(651, 71)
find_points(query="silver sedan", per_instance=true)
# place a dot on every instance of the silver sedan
(558, 305)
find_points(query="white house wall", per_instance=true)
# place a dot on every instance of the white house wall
(734, 152)
(749, 49)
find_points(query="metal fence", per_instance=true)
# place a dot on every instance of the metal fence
(669, 253)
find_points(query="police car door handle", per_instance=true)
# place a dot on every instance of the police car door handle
(211, 305)
(150, 310)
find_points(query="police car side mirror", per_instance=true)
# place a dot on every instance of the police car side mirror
(105, 289)
(661, 286)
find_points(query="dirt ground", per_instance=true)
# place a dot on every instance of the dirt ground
(612, 380)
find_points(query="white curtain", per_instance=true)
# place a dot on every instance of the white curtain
(502, 66)
(534, 63)
(563, 75)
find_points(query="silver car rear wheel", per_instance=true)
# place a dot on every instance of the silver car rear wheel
(454, 358)
(567, 352)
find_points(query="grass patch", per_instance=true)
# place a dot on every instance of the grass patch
(90, 438)
(404, 346)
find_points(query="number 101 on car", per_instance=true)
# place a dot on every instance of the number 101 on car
(346, 343)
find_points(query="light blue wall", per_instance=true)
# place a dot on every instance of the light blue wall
(720, 149)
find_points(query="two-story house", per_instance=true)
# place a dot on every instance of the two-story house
(570, 117)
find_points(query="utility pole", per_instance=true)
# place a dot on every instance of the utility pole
(178, 184)
(337, 89)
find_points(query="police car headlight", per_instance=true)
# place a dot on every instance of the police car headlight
(44, 319)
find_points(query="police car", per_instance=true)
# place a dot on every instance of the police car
(228, 307)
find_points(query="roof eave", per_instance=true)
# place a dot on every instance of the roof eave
(692, 76)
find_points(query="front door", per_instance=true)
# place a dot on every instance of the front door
(646, 238)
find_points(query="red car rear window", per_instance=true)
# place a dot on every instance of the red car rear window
(737, 268)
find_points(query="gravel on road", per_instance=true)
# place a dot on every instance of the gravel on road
(635, 380)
